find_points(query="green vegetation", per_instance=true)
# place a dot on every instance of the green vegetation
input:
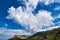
(45, 35)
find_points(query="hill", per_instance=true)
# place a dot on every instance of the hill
(19, 37)
(53, 34)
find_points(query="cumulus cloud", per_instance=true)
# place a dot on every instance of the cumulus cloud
(26, 18)
(9, 33)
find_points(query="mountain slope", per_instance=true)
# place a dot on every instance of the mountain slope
(44, 35)
(47, 35)
(19, 37)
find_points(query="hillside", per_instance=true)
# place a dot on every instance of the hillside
(19, 37)
(44, 35)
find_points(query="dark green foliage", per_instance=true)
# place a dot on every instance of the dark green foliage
(47, 35)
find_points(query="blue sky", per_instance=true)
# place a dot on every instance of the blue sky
(18, 16)
(3, 13)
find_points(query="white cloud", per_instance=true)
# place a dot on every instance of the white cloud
(57, 1)
(57, 8)
(28, 19)
(50, 28)
(30, 4)
(13, 32)
(6, 24)
(31, 22)
(47, 2)
(58, 16)
(9, 33)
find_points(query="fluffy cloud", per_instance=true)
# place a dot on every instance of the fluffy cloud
(26, 18)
